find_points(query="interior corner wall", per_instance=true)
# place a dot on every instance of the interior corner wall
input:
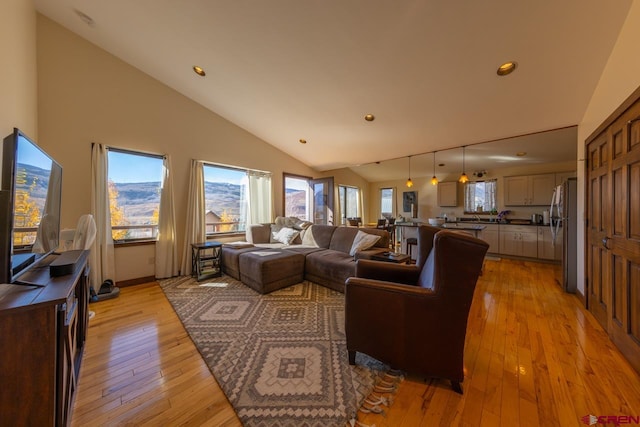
(87, 95)
(619, 79)
(18, 84)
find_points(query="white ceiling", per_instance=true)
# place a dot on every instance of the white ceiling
(291, 69)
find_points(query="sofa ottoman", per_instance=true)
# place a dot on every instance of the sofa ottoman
(231, 259)
(269, 270)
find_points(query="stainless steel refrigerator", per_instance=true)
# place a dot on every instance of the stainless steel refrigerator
(564, 225)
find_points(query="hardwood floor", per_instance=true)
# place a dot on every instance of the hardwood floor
(534, 356)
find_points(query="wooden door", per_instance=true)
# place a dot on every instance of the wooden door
(598, 202)
(613, 237)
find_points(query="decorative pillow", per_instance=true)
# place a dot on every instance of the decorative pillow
(308, 239)
(275, 228)
(285, 235)
(362, 242)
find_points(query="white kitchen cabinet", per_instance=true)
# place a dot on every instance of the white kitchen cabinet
(491, 235)
(529, 190)
(448, 193)
(519, 240)
(547, 248)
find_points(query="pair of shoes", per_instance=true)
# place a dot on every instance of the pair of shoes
(355, 423)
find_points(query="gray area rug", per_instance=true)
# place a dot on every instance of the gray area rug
(281, 359)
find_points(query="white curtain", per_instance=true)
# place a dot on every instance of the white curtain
(166, 245)
(101, 258)
(360, 205)
(195, 228)
(337, 205)
(260, 200)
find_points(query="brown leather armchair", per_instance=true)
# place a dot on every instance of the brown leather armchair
(414, 318)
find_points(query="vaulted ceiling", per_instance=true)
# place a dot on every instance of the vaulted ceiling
(287, 70)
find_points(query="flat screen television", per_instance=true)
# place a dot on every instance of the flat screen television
(30, 197)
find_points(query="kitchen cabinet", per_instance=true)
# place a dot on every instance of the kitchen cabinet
(529, 190)
(547, 248)
(448, 193)
(491, 235)
(519, 240)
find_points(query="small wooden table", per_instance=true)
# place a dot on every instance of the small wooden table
(206, 260)
(392, 257)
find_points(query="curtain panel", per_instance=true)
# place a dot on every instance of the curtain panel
(101, 258)
(195, 231)
(166, 244)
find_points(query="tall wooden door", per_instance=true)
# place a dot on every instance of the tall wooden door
(613, 237)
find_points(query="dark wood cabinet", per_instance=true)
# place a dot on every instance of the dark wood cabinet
(42, 336)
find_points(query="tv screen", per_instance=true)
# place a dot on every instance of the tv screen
(30, 206)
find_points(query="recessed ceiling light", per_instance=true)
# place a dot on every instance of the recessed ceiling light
(506, 68)
(521, 153)
(303, 141)
(199, 71)
(441, 164)
(369, 117)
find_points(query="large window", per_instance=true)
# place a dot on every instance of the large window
(297, 197)
(134, 181)
(225, 199)
(480, 196)
(386, 203)
(349, 206)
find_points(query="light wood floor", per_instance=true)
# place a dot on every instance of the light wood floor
(533, 357)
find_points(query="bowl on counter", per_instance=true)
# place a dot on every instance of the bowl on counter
(436, 222)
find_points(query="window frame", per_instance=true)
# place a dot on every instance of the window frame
(393, 205)
(205, 164)
(308, 179)
(343, 207)
(154, 227)
(492, 205)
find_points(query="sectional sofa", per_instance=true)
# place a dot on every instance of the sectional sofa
(323, 254)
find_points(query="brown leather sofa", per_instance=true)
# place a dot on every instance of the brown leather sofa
(414, 318)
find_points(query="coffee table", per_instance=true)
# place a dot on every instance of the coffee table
(392, 257)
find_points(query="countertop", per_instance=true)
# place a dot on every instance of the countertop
(472, 224)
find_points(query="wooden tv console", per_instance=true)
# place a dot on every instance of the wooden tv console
(42, 335)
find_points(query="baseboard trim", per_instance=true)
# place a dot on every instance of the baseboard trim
(133, 282)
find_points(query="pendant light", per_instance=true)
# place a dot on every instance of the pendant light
(463, 178)
(434, 180)
(409, 182)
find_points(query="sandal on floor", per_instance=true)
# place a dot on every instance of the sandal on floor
(355, 423)
(372, 410)
(384, 389)
(378, 400)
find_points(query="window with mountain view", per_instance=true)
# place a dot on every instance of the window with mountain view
(297, 194)
(225, 195)
(134, 181)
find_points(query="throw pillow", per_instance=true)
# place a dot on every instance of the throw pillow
(308, 239)
(275, 228)
(362, 242)
(285, 235)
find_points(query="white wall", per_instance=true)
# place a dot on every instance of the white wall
(87, 95)
(619, 79)
(18, 78)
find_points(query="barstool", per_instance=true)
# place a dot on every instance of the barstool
(411, 241)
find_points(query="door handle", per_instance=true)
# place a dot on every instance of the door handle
(605, 241)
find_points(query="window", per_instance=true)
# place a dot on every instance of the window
(480, 196)
(225, 199)
(386, 203)
(297, 197)
(349, 201)
(134, 181)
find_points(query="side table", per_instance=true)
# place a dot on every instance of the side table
(206, 261)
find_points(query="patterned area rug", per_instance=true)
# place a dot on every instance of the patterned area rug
(281, 359)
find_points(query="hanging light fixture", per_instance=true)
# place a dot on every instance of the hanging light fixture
(463, 178)
(409, 182)
(434, 180)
